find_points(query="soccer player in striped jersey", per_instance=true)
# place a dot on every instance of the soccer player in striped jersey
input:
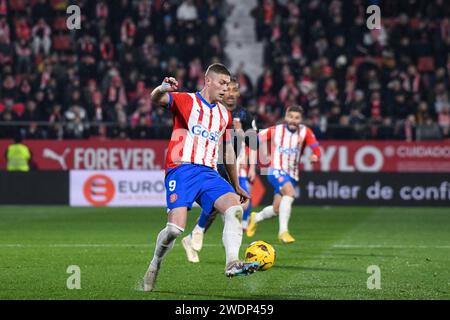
(244, 138)
(200, 124)
(287, 142)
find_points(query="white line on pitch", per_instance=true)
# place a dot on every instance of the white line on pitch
(383, 246)
(150, 245)
(86, 245)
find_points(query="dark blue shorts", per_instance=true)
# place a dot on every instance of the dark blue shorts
(189, 183)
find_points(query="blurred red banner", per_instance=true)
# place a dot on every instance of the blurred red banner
(342, 156)
(93, 154)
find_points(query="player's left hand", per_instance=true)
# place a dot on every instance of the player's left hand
(313, 158)
(241, 192)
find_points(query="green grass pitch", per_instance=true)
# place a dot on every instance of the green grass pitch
(334, 248)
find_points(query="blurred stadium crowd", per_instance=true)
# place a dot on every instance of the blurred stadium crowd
(354, 83)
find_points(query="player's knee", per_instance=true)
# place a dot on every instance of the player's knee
(288, 198)
(276, 209)
(289, 192)
(234, 201)
(173, 231)
(227, 201)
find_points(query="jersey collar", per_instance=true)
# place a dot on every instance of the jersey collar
(204, 101)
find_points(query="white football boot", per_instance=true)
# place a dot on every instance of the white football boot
(197, 240)
(191, 254)
(150, 278)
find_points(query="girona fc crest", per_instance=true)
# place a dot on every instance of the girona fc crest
(173, 197)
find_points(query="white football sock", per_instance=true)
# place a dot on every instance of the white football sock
(285, 212)
(165, 242)
(232, 233)
(197, 228)
(266, 213)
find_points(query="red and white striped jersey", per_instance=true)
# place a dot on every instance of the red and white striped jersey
(198, 128)
(287, 147)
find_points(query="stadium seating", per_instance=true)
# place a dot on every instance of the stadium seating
(368, 61)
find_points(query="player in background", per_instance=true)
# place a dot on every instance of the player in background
(287, 142)
(244, 138)
(200, 123)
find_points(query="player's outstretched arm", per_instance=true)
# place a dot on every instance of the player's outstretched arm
(160, 94)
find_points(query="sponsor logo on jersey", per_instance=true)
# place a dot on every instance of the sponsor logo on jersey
(199, 130)
(287, 150)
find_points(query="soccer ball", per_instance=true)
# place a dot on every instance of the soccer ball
(261, 252)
